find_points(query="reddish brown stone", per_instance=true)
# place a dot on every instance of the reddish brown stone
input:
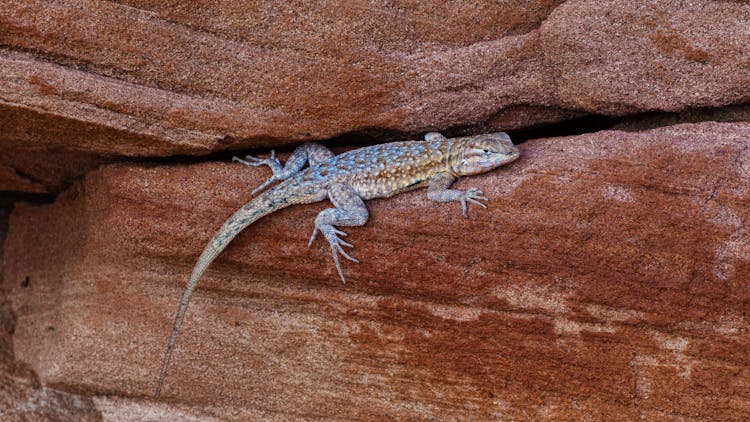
(153, 78)
(22, 398)
(11, 180)
(608, 278)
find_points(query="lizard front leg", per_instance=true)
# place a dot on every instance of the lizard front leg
(439, 190)
(350, 211)
(311, 152)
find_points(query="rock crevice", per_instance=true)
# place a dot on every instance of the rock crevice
(262, 75)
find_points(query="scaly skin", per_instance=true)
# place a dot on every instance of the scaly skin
(378, 171)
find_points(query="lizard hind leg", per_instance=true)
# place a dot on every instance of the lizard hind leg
(350, 211)
(308, 152)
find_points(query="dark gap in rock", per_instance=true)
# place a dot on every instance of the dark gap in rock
(653, 120)
(29, 177)
(578, 126)
(374, 135)
(371, 136)
(8, 198)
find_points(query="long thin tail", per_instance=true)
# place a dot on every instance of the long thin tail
(264, 204)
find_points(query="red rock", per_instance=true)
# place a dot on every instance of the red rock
(608, 278)
(152, 78)
(22, 398)
(11, 180)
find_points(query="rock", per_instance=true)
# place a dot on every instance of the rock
(608, 278)
(22, 398)
(12, 180)
(149, 78)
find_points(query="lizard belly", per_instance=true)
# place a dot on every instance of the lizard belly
(387, 187)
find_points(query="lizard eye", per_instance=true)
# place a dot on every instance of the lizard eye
(480, 151)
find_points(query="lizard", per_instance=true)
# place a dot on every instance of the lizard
(377, 171)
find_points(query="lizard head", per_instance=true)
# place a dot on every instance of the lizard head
(482, 153)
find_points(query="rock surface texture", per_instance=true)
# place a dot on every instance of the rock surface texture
(609, 278)
(85, 81)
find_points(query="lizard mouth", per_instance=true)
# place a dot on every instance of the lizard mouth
(491, 163)
(499, 159)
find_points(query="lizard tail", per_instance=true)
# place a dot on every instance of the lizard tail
(262, 205)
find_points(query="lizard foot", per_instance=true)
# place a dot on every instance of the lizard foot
(332, 236)
(272, 162)
(472, 195)
(249, 160)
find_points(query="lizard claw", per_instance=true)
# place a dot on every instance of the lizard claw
(255, 161)
(314, 233)
(473, 196)
(272, 162)
(332, 236)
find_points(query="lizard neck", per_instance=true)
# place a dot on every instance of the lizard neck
(453, 157)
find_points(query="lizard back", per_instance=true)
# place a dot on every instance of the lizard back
(384, 170)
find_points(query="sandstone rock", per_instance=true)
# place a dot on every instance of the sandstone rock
(151, 78)
(22, 398)
(12, 180)
(608, 278)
